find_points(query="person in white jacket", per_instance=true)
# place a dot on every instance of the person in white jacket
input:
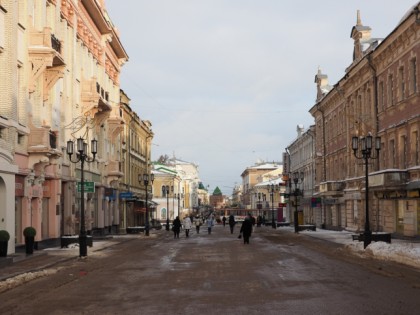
(187, 226)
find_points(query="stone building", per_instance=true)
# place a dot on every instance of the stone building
(59, 80)
(134, 162)
(298, 160)
(378, 95)
(250, 178)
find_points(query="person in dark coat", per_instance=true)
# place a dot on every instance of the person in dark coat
(224, 221)
(176, 227)
(231, 223)
(246, 229)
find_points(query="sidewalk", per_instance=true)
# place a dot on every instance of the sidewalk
(400, 250)
(21, 263)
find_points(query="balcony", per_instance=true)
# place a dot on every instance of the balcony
(42, 145)
(331, 188)
(94, 98)
(113, 171)
(45, 55)
(388, 179)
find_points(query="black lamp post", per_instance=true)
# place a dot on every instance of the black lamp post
(179, 196)
(82, 157)
(145, 179)
(297, 178)
(167, 207)
(365, 146)
(272, 189)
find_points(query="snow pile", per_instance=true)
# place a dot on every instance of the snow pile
(23, 278)
(404, 253)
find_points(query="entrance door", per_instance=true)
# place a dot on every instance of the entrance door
(399, 220)
(418, 217)
(45, 219)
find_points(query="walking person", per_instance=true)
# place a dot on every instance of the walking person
(210, 224)
(176, 227)
(187, 226)
(224, 221)
(232, 223)
(246, 229)
(197, 224)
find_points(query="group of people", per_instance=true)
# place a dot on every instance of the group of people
(188, 223)
(245, 231)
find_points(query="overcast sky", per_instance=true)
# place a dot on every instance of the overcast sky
(226, 82)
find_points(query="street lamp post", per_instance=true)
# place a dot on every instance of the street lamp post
(145, 179)
(167, 207)
(297, 178)
(82, 157)
(272, 189)
(179, 196)
(365, 146)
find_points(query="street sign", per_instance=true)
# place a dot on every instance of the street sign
(126, 195)
(89, 187)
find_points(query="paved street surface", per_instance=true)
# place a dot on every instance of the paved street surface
(278, 273)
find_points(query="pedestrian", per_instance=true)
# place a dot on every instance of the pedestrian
(252, 219)
(197, 224)
(187, 226)
(210, 223)
(259, 220)
(176, 227)
(246, 229)
(232, 223)
(224, 221)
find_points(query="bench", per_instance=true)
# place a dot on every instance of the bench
(279, 224)
(66, 240)
(135, 229)
(376, 237)
(305, 227)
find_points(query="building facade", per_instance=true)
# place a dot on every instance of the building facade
(378, 96)
(250, 178)
(60, 63)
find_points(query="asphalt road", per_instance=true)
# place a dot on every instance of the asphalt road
(278, 273)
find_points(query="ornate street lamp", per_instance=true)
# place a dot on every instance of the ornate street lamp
(167, 206)
(179, 197)
(82, 157)
(364, 144)
(272, 189)
(145, 178)
(297, 179)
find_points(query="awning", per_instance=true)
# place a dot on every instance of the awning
(413, 185)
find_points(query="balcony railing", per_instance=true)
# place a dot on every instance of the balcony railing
(53, 140)
(55, 44)
(331, 187)
(389, 178)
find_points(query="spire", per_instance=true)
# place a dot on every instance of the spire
(359, 20)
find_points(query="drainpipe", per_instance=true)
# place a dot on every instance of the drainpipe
(324, 165)
(375, 93)
(376, 111)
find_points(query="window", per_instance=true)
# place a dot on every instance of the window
(391, 151)
(413, 76)
(20, 139)
(381, 96)
(403, 152)
(2, 28)
(390, 99)
(415, 148)
(401, 90)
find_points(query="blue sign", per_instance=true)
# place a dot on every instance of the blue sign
(126, 194)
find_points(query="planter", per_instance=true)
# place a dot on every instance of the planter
(29, 244)
(3, 248)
